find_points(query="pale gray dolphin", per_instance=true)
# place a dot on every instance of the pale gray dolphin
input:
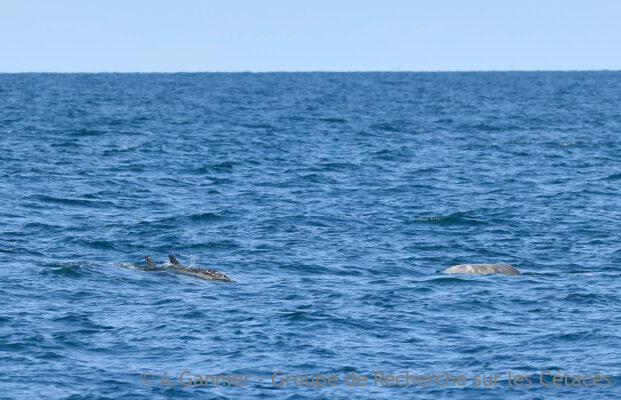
(482, 269)
(207, 274)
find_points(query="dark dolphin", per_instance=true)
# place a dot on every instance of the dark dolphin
(175, 266)
(151, 265)
(207, 274)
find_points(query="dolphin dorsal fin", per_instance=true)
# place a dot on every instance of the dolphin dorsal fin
(150, 263)
(174, 261)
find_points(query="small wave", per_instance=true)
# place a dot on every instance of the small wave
(223, 245)
(66, 144)
(178, 221)
(338, 166)
(297, 315)
(458, 218)
(99, 244)
(317, 178)
(394, 83)
(613, 177)
(334, 120)
(443, 280)
(70, 201)
(490, 126)
(257, 126)
(206, 216)
(67, 272)
(121, 150)
(84, 132)
(223, 167)
(591, 298)
(386, 127)
(37, 227)
(74, 269)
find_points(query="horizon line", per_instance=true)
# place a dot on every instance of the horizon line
(309, 71)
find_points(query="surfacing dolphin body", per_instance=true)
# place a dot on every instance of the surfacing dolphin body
(151, 265)
(482, 269)
(175, 266)
(207, 274)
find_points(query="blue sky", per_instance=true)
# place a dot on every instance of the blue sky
(317, 35)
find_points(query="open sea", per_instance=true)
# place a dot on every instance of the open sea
(332, 200)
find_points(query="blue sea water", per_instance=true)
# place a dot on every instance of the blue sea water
(332, 200)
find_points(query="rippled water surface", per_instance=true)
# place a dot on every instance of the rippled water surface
(332, 200)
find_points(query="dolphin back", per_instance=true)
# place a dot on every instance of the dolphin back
(173, 260)
(482, 269)
(207, 274)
